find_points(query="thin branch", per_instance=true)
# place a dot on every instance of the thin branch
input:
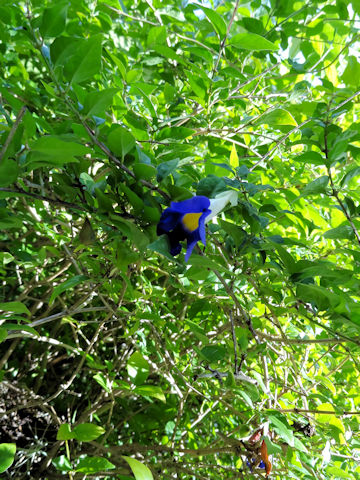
(54, 201)
(234, 342)
(136, 448)
(12, 132)
(296, 12)
(123, 14)
(317, 412)
(279, 142)
(222, 45)
(219, 375)
(64, 313)
(301, 341)
(335, 192)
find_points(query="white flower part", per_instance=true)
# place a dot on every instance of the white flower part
(218, 203)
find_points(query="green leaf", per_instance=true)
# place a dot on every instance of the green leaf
(54, 20)
(103, 381)
(53, 151)
(157, 35)
(314, 158)
(9, 171)
(15, 307)
(237, 233)
(62, 464)
(89, 465)
(87, 235)
(210, 186)
(299, 445)
(251, 41)
(64, 432)
(88, 59)
(87, 181)
(20, 327)
(165, 168)
(140, 471)
(132, 231)
(178, 133)
(354, 172)
(246, 398)
(230, 380)
(316, 186)
(168, 53)
(343, 232)
(351, 73)
(7, 455)
(337, 472)
(3, 334)
(121, 141)
(282, 430)
(5, 258)
(197, 85)
(137, 368)
(272, 448)
(150, 391)
(87, 432)
(215, 19)
(213, 353)
(144, 171)
(202, 262)
(67, 285)
(96, 103)
(151, 214)
(134, 199)
(321, 297)
(286, 258)
(278, 117)
(324, 417)
(162, 246)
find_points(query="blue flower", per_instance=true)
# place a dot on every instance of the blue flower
(185, 221)
(252, 463)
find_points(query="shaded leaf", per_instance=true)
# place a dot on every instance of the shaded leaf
(137, 368)
(140, 471)
(68, 284)
(89, 465)
(87, 432)
(316, 186)
(7, 454)
(15, 307)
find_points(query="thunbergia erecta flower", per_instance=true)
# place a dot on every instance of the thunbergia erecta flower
(253, 462)
(186, 220)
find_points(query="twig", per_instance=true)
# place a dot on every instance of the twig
(54, 201)
(234, 342)
(317, 412)
(219, 375)
(12, 132)
(178, 417)
(222, 45)
(301, 341)
(279, 142)
(136, 19)
(335, 193)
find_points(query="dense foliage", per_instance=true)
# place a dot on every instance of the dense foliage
(119, 360)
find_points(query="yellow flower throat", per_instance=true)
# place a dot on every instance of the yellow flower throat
(191, 221)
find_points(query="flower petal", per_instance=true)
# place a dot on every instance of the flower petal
(189, 249)
(218, 203)
(168, 221)
(195, 204)
(202, 233)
